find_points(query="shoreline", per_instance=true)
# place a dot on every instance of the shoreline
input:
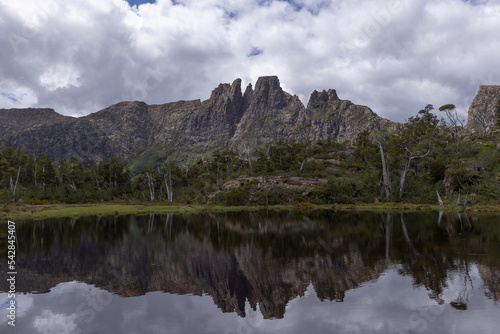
(45, 211)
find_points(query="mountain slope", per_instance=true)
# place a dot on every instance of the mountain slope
(135, 130)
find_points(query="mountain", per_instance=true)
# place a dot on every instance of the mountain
(145, 134)
(482, 110)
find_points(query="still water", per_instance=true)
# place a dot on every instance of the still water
(320, 272)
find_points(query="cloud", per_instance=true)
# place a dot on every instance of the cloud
(60, 76)
(394, 56)
(11, 97)
(16, 96)
(49, 322)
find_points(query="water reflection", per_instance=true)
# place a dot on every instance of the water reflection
(260, 262)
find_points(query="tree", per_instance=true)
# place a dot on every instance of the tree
(75, 175)
(414, 141)
(170, 175)
(111, 176)
(456, 124)
(385, 174)
(45, 172)
(13, 186)
(150, 174)
(246, 152)
(485, 119)
(366, 149)
(223, 163)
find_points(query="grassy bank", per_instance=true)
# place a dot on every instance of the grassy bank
(113, 208)
(79, 210)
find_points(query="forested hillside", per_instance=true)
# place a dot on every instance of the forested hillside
(426, 160)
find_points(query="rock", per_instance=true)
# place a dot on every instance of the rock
(481, 114)
(129, 130)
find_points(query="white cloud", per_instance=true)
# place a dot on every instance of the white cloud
(394, 56)
(16, 96)
(60, 76)
(49, 322)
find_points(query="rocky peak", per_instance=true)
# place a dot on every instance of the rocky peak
(218, 116)
(481, 115)
(226, 101)
(247, 96)
(228, 92)
(263, 114)
(268, 93)
(320, 100)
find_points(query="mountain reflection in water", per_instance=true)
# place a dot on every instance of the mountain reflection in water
(264, 260)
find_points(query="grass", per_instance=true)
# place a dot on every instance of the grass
(46, 211)
(39, 212)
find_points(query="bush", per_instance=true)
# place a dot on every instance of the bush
(437, 170)
(236, 196)
(487, 191)
(338, 190)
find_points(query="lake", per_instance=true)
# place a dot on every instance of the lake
(256, 272)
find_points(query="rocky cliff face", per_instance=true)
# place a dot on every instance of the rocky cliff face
(270, 114)
(330, 116)
(260, 115)
(482, 110)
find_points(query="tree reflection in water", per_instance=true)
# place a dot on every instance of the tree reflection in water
(266, 259)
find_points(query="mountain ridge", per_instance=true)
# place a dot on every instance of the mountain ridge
(262, 114)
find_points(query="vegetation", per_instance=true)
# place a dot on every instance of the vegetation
(497, 114)
(423, 161)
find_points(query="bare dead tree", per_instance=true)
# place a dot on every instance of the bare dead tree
(151, 185)
(303, 164)
(13, 186)
(439, 198)
(385, 174)
(455, 122)
(407, 159)
(246, 150)
(406, 235)
(485, 119)
(169, 185)
(388, 235)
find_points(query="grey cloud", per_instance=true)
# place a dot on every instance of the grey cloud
(394, 56)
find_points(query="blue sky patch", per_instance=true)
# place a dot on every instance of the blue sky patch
(5, 304)
(296, 6)
(231, 15)
(475, 2)
(139, 2)
(255, 52)
(10, 96)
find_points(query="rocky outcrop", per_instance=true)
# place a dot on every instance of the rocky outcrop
(270, 114)
(130, 130)
(481, 115)
(341, 119)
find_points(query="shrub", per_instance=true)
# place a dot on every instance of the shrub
(236, 196)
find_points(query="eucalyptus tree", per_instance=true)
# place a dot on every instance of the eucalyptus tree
(455, 122)
(171, 174)
(413, 141)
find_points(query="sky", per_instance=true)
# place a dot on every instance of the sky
(390, 304)
(395, 56)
